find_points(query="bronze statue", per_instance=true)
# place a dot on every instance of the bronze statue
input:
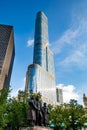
(31, 117)
(37, 115)
(45, 113)
(38, 112)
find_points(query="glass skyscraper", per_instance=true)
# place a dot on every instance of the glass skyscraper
(7, 53)
(40, 75)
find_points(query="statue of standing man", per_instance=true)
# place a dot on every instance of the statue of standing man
(45, 113)
(39, 117)
(31, 116)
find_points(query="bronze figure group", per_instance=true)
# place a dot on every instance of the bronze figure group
(37, 114)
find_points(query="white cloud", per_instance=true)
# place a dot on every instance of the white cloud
(67, 38)
(14, 92)
(77, 58)
(68, 92)
(30, 42)
(72, 45)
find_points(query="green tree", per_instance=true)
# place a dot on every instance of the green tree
(3, 106)
(68, 116)
(56, 117)
(22, 96)
(76, 112)
(17, 112)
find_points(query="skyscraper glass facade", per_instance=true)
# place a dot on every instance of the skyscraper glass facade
(40, 75)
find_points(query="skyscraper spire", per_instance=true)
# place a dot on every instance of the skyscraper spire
(41, 29)
(40, 39)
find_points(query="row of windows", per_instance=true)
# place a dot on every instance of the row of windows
(5, 32)
(41, 30)
(41, 39)
(44, 57)
(4, 38)
(37, 78)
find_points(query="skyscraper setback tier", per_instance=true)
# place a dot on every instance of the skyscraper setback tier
(7, 53)
(40, 75)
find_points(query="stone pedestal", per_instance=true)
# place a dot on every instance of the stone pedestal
(36, 128)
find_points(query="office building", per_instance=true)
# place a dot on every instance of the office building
(40, 75)
(7, 53)
(85, 100)
(59, 94)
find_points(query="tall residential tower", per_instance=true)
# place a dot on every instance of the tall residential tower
(40, 75)
(7, 53)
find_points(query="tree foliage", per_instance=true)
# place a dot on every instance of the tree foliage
(17, 113)
(13, 112)
(68, 116)
(3, 106)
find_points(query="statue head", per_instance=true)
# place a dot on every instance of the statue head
(31, 98)
(37, 98)
(44, 104)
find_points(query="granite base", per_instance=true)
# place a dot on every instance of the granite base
(36, 128)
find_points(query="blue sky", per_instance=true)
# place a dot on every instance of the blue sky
(67, 22)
